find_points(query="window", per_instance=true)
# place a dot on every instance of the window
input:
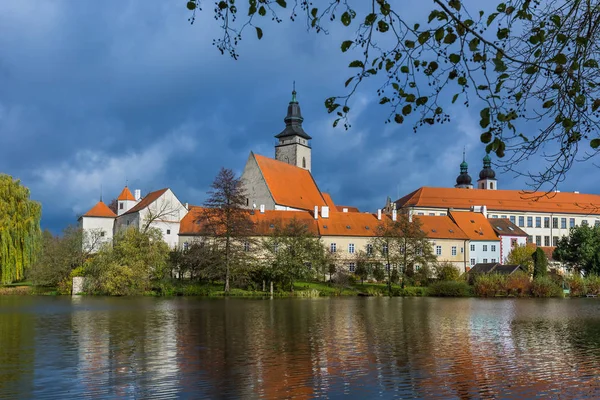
(247, 201)
(351, 248)
(472, 261)
(453, 250)
(529, 239)
(438, 250)
(128, 223)
(513, 242)
(493, 247)
(352, 267)
(120, 206)
(546, 241)
(521, 221)
(246, 246)
(472, 247)
(584, 222)
(462, 250)
(530, 222)
(432, 214)
(494, 216)
(597, 223)
(332, 247)
(485, 260)
(369, 249)
(493, 260)
(555, 223)
(484, 247)
(168, 231)
(387, 267)
(102, 233)
(303, 162)
(421, 213)
(419, 251)
(503, 216)
(276, 247)
(538, 222)
(554, 240)
(384, 249)
(538, 240)
(546, 222)
(563, 223)
(512, 219)
(186, 245)
(571, 222)
(442, 214)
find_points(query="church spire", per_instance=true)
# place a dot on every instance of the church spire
(464, 180)
(293, 120)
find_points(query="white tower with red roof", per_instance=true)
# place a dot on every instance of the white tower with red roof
(126, 200)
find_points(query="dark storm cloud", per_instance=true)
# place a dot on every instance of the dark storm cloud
(95, 96)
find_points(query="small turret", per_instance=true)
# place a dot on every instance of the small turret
(487, 176)
(464, 181)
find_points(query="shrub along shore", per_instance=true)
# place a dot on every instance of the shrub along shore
(489, 286)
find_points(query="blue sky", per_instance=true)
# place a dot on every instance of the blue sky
(129, 90)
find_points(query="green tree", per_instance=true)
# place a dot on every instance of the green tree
(521, 62)
(446, 271)
(130, 265)
(540, 264)
(378, 273)
(227, 222)
(523, 256)
(580, 251)
(290, 252)
(364, 265)
(20, 232)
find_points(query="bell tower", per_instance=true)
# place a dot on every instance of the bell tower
(293, 145)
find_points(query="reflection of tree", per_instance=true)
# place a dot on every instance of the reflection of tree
(17, 353)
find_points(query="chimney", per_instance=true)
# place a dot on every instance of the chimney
(379, 214)
(344, 209)
(410, 214)
(262, 208)
(484, 211)
(316, 212)
(325, 212)
(187, 206)
(394, 215)
(137, 194)
(576, 192)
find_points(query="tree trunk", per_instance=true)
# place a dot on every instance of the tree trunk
(271, 288)
(226, 289)
(264, 286)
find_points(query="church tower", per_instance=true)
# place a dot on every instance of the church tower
(487, 176)
(294, 144)
(464, 181)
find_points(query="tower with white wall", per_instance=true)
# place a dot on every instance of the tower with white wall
(127, 200)
(294, 144)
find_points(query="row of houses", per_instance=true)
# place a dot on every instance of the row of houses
(465, 225)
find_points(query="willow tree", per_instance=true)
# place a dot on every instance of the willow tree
(530, 67)
(19, 229)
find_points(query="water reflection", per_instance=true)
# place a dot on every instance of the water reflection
(374, 347)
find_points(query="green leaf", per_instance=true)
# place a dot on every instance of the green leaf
(262, 11)
(382, 26)
(191, 5)
(314, 12)
(491, 18)
(384, 100)
(222, 5)
(450, 38)
(560, 58)
(555, 20)
(346, 18)
(281, 3)
(422, 100)
(407, 109)
(595, 143)
(454, 98)
(486, 137)
(348, 81)
(501, 7)
(346, 45)
(518, 96)
(532, 69)
(548, 104)
(502, 33)
(439, 34)
(455, 4)
(499, 65)
(356, 64)
(370, 19)
(595, 104)
(454, 58)
(409, 43)
(410, 98)
(398, 118)
(389, 64)
(259, 33)
(473, 44)
(591, 63)
(404, 69)
(424, 37)
(433, 15)
(462, 81)
(485, 117)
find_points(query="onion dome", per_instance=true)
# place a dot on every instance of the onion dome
(464, 179)
(487, 172)
(293, 120)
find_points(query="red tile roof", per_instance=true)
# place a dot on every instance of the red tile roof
(502, 200)
(329, 202)
(126, 195)
(146, 201)
(100, 210)
(349, 224)
(475, 225)
(290, 186)
(350, 209)
(440, 227)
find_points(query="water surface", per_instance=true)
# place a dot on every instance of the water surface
(87, 347)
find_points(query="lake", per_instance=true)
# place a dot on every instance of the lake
(98, 347)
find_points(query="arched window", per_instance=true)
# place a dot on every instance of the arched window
(492, 185)
(303, 162)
